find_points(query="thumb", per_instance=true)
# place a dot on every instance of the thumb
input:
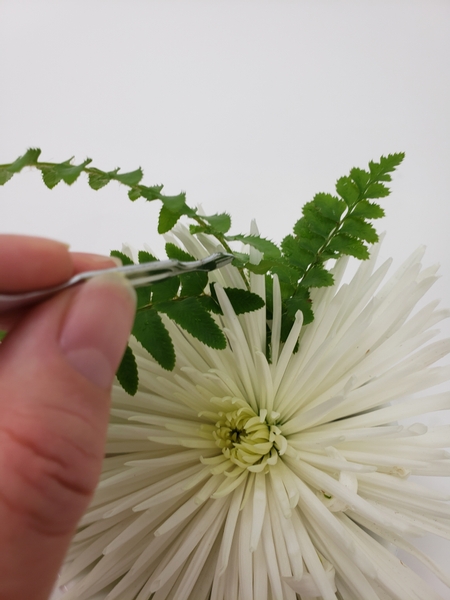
(56, 372)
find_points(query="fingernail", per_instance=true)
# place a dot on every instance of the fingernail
(97, 326)
(100, 258)
(103, 258)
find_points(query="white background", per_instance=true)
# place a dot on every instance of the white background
(250, 106)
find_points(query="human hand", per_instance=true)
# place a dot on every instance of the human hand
(57, 365)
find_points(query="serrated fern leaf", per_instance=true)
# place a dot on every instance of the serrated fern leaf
(145, 257)
(268, 248)
(126, 260)
(174, 203)
(297, 255)
(131, 178)
(151, 332)
(381, 171)
(29, 159)
(176, 253)
(165, 290)
(98, 179)
(220, 222)
(368, 210)
(345, 244)
(358, 228)
(65, 171)
(193, 284)
(167, 219)
(150, 193)
(5, 176)
(243, 301)
(348, 190)
(332, 226)
(193, 317)
(317, 276)
(127, 373)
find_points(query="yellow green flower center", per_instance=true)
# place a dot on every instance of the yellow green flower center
(249, 440)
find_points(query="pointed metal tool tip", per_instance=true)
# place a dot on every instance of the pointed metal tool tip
(218, 260)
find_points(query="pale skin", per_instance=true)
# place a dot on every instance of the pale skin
(57, 366)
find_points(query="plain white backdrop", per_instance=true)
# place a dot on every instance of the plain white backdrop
(251, 106)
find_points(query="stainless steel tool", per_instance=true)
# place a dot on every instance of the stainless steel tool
(138, 275)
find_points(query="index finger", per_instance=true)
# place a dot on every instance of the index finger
(32, 263)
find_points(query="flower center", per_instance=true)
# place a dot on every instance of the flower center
(249, 440)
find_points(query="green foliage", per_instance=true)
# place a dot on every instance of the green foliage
(144, 294)
(134, 193)
(165, 290)
(317, 276)
(29, 159)
(174, 252)
(335, 225)
(221, 223)
(356, 227)
(192, 316)
(127, 373)
(167, 219)
(329, 206)
(268, 248)
(210, 302)
(296, 254)
(149, 193)
(214, 224)
(368, 210)
(345, 244)
(382, 170)
(151, 332)
(348, 190)
(241, 300)
(126, 260)
(131, 178)
(298, 300)
(5, 176)
(331, 225)
(98, 179)
(145, 257)
(193, 284)
(175, 204)
(65, 171)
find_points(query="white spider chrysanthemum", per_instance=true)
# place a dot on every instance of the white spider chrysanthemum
(234, 477)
